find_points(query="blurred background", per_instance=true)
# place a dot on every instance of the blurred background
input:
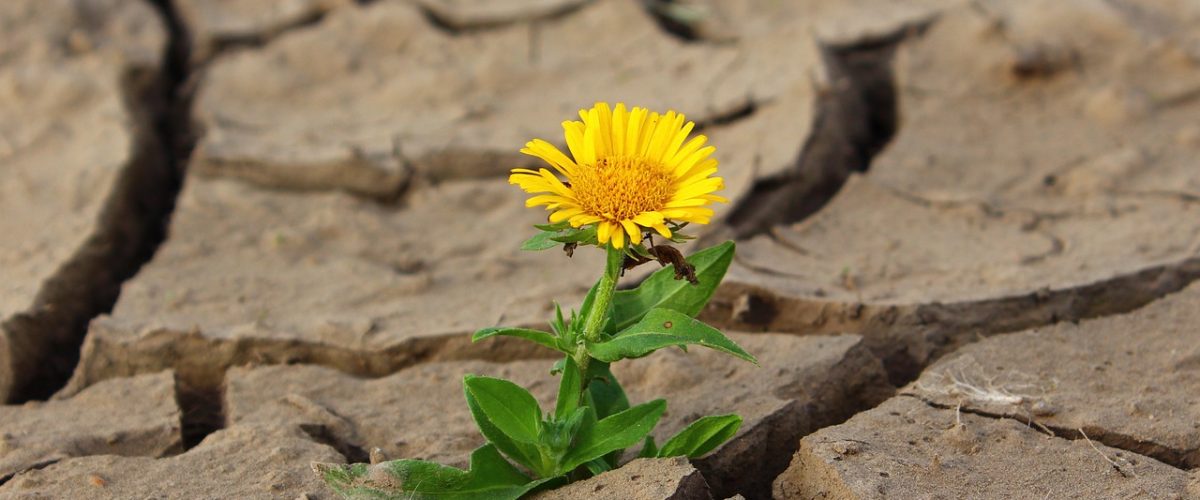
(203, 185)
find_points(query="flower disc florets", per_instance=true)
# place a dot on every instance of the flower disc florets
(629, 172)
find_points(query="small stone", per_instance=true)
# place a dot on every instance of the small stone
(847, 447)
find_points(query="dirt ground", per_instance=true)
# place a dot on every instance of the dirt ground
(241, 236)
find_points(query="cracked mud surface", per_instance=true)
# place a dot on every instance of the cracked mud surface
(922, 176)
(1021, 188)
(80, 190)
(39, 434)
(907, 449)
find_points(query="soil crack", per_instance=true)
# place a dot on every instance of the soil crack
(856, 118)
(1179, 459)
(133, 223)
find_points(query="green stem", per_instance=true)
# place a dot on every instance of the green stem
(594, 323)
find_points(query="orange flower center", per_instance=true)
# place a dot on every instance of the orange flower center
(621, 188)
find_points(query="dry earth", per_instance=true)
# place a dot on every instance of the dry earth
(911, 183)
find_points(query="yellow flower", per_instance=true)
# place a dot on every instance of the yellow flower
(628, 172)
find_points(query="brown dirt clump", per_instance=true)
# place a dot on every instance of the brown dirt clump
(908, 449)
(641, 479)
(239, 462)
(128, 416)
(1128, 381)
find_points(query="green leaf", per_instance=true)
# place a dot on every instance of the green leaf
(524, 453)
(509, 406)
(555, 227)
(663, 328)
(701, 437)
(546, 339)
(604, 397)
(552, 235)
(569, 389)
(616, 432)
(662, 290)
(649, 449)
(559, 432)
(489, 477)
(605, 394)
(586, 307)
(558, 325)
(597, 467)
(585, 236)
(540, 241)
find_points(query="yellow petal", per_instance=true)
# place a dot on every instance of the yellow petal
(589, 146)
(648, 219)
(584, 219)
(686, 203)
(698, 173)
(699, 187)
(620, 124)
(604, 122)
(662, 135)
(564, 214)
(697, 215)
(573, 132)
(635, 232)
(636, 119)
(618, 237)
(677, 141)
(603, 232)
(648, 133)
(545, 199)
(693, 173)
(691, 147)
(551, 155)
(556, 185)
(686, 164)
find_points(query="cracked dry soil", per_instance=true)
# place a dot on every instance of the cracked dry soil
(246, 235)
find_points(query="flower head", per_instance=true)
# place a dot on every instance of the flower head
(629, 172)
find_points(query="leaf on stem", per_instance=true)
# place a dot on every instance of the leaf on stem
(604, 391)
(524, 453)
(702, 436)
(552, 235)
(662, 290)
(613, 433)
(489, 477)
(543, 240)
(649, 449)
(569, 389)
(598, 466)
(509, 406)
(664, 328)
(546, 339)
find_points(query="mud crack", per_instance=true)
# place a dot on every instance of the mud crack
(1177, 458)
(856, 118)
